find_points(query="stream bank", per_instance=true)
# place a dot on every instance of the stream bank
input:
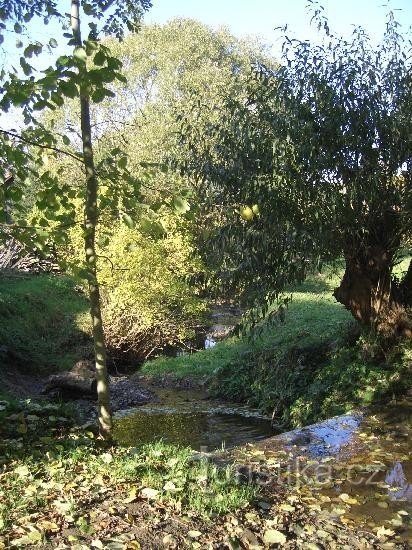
(340, 483)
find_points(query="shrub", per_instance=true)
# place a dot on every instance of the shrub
(148, 305)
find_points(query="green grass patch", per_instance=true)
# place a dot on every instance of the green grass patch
(312, 319)
(44, 323)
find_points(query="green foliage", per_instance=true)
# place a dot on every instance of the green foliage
(87, 70)
(44, 323)
(168, 67)
(122, 14)
(322, 144)
(145, 293)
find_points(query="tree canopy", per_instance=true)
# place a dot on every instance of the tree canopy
(323, 146)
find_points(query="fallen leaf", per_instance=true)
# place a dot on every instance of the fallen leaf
(46, 525)
(382, 532)
(194, 534)
(22, 471)
(273, 536)
(107, 458)
(347, 499)
(169, 540)
(169, 486)
(132, 496)
(149, 493)
(287, 508)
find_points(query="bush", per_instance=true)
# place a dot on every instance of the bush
(147, 303)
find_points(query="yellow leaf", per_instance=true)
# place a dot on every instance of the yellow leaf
(382, 532)
(273, 536)
(348, 499)
(287, 508)
(169, 540)
(46, 525)
(149, 493)
(22, 471)
(132, 495)
(194, 534)
(107, 458)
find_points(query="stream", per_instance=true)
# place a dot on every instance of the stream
(189, 418)
(356, 466)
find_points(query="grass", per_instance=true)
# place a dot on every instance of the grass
(54, 474)
(312, 318)
(44, 323)
(310, 367)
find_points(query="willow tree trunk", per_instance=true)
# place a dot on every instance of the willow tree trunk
(373, 297)
(90, 222)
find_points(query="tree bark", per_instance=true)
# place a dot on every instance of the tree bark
(90, 222)
(373, 297)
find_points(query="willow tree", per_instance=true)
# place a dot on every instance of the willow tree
(83, 74)
(323, 146)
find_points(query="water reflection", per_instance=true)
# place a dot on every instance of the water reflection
(325, 438)
(186, 418)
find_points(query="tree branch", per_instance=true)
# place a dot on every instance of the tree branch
(30, 142)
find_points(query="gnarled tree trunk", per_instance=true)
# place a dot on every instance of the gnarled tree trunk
(374, 298)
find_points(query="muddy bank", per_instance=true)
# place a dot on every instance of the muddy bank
(126, 391)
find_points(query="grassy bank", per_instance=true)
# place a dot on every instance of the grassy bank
(43, 323)
(311, 366)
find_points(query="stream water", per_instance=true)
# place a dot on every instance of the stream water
(356, 465)
(188, 418)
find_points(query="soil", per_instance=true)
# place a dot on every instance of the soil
(126, 391)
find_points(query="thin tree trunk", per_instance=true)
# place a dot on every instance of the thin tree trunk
(90, 222)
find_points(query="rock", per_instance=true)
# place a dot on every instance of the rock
(80, 381)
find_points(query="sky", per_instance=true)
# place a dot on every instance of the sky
(260, 17)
